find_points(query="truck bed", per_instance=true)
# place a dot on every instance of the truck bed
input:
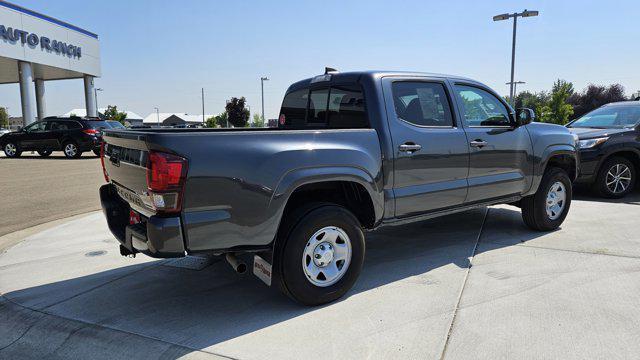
(238, 180)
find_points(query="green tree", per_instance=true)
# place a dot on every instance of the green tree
(237, 113)
(595, 96)
(112, 113)
(217, 121)
(535, 101)
(4, 118)
(559, 110)
(258, 121)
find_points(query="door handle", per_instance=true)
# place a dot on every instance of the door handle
(409, 147)
(478, 143)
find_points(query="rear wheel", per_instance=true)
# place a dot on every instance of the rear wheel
(44, 153)
(96, 152)
(321, 255)
(71, 150)
(616, 178)
(548, 207)
(12, 150)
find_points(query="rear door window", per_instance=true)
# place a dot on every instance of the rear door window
(422, 103)
(60, 125)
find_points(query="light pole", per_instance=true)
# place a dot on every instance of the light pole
(515, 93)
(95, 91)
(157, 115)
(202, 106)
(262, 80)
(525, 13)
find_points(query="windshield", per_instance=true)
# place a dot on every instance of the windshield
(115, 125)
(622, 116)
(98, 124)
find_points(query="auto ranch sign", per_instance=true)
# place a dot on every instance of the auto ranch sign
(16, 36)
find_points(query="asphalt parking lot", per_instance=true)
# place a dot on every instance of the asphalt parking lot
(36, 190)
(476, 285)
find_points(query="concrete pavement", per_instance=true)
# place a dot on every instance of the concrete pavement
(35, 190)
(475, 285)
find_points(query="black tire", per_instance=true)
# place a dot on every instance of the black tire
(12, 153)
(96, 152)
(534, 207)
(299, 228)
(44, 153)
(614, 191)
(70, 154)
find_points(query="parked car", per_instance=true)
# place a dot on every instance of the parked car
(609, 148)
(73, 136)
(353, 152)
(4, 131)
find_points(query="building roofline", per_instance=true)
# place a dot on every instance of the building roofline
(46, 18)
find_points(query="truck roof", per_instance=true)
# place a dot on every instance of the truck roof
(354, 76)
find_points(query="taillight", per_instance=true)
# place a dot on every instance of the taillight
(91, 131)
(104, 170)
(166, 174)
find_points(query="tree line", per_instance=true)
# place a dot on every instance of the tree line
(563, 103)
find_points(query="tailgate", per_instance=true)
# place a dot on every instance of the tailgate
(125, 161)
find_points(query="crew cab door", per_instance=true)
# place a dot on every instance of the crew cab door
(431, 155)
(500, 152)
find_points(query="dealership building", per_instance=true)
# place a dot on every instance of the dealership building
(35, 48)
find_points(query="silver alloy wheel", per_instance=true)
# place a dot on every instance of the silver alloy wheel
(10, 149)
(556, 200)
(70, 150)
(326, 256)
(618, 178)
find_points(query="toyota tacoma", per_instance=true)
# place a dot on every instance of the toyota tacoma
(351, 152)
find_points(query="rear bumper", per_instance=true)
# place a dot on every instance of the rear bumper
(159, 237)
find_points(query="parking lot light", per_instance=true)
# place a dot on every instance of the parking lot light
(525, 13)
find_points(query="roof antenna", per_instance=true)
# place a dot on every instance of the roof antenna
(328, 70)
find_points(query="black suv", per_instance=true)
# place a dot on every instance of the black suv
(609, 147)
(72, 135)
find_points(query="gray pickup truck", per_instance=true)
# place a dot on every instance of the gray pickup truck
(352, 152)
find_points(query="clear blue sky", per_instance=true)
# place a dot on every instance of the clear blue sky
(160, 53)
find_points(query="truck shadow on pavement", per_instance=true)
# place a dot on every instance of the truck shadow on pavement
(187, 310)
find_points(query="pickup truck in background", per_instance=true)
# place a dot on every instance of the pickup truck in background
(352, 152)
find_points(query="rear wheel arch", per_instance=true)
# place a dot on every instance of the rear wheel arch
(351, 195)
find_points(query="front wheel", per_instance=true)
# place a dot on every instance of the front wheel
(71, 150)
(616, 178)
(322, 255)
(548, 207)
(11, 150)
(44, 153)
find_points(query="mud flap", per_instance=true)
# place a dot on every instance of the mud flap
(262, 269)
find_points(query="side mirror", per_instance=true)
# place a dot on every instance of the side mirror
(525, 116)
(19, 128)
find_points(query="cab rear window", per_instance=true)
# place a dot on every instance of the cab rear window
(335, 107)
